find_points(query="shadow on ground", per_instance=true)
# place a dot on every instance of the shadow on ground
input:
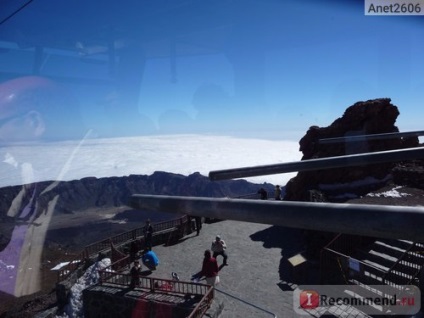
(290, 240)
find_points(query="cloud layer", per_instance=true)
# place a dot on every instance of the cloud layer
(182, 154)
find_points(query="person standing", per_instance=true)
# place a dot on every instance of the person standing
(263, 193)
(148, 234)
(219, 248)
(135, 274)
(277, 193)
(133, 250)
(198, 221)
(210, 269)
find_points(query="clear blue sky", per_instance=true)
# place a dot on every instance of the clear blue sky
(267, 68)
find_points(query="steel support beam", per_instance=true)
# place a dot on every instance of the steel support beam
(357, 138)
(321, 163)
(393, 222)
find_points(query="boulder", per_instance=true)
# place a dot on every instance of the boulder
(363, 118)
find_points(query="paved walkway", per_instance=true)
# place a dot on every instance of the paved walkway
(258, 268)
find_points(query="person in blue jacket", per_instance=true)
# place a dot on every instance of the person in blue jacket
(149, 259)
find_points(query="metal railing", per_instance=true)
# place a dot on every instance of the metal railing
(396, 276)
(71, 267)
(160, 285)
(153, 284)
(122, 238)
(203, 305)
(114, 268)
(411, 260)
(419, 252)
(342, 262)
(393, 275)
(103, 246)
(355, 138)
(355, 219)
(320, 163)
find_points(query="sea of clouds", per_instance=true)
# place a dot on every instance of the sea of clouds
(182, 154)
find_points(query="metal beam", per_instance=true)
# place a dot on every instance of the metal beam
(321, 163)
(393, 222)
(357, 138)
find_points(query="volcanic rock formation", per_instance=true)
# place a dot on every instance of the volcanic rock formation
(363, 118)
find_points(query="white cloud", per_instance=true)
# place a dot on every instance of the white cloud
(183, 154)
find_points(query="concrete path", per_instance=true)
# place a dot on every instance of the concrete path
(258, 270)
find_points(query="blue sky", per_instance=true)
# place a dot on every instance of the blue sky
(313, 61)
(269, 69)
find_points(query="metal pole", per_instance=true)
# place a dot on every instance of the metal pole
(371, 137)
(396, 222)
(321, 163)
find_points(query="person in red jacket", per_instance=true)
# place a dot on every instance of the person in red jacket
(210, 269)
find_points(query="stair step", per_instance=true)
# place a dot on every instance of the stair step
(383, 255)
(401, 244)
(342, 311)
(389, 289)
(377, 260)
(384, 248)
(364, 292)
(376, 273)
(415, 254)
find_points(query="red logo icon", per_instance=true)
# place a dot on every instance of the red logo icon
(309, 299)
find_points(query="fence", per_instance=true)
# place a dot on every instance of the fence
(90, 251)
(340, 271)
(335, 258)
(151, 284)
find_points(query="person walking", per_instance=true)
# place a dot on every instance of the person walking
(210, 269)
(219, 248)
(277, 193)
(148, 234)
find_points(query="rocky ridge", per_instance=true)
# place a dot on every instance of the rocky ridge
(74, 197)
(114, 191)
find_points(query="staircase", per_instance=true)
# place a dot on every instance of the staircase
(364, 263)
(394, 263)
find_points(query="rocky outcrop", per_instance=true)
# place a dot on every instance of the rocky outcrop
(115, 191)
(363, 118)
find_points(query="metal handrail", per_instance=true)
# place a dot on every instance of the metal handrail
(398, 261)
(93, 249)
(320, 163)
(246, 302)
(99, 246)
(371, 137)
(359, 261)
(356, 219)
